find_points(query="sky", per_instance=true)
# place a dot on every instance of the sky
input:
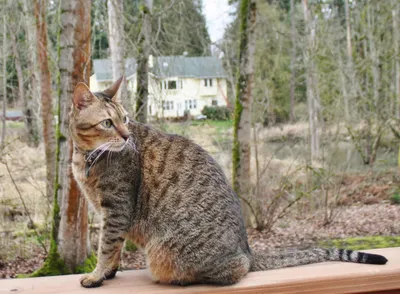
(217, 17)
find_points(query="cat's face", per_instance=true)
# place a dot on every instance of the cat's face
(98, 120)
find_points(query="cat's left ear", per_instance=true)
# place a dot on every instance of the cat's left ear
(114, 91)
(82, 96)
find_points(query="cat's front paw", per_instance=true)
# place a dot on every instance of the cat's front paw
(91, 280)
(111, 274)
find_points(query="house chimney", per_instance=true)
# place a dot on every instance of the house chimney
(151, 61)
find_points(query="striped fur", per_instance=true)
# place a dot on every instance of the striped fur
(265, 262)
(171, 198)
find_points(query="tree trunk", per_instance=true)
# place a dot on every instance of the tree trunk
(244, 98)
(74, 65)
(46, 93)
(142, 72)
(28, 114)
(117, 46)
(292, 62)
(349, 62)
(312, 100)
(396, 28)
(348, 31)
(32, 96)
(374, 58)
(4, 78)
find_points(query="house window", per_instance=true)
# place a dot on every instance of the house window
(180, 84)
(168, 105)
(208, 83)
(172, 85)
(191, 104)
(214, 102)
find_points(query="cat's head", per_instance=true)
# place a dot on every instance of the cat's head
(98, 120)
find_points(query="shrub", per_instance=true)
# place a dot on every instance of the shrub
(395, 198)
(217, 112)
(130, 246)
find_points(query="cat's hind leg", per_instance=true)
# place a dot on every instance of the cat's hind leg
(225, 271)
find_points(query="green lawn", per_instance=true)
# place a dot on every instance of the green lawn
(15, 125)
(363, 243)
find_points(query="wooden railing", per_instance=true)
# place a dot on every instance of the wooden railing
(326, 278)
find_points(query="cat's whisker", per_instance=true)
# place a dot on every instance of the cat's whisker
(98, 148)
(109, 155)
(133, 145)
(98, 156)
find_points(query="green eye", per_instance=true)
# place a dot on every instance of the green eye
(126, 120)
(106, 123)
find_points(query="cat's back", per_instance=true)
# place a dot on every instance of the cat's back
(182, 182)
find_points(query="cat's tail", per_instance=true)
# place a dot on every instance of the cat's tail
(262, 262)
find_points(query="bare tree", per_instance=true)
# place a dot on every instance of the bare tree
(28, 113)
(4, 77)
(312, 99)
(349, 60)
(46, 93)
(292, 61)
(32, 95)
(142, 90)
(396, 28)
(117, 46)
(244, 98)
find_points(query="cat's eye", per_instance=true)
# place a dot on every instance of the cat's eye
(106, 123)
(125, 120)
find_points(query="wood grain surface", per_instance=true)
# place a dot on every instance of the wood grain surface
(327, 278)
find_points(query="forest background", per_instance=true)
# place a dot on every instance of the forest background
(311, 145)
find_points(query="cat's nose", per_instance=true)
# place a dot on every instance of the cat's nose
(125, 137)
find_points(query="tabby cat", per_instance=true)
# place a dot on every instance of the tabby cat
(169, 197)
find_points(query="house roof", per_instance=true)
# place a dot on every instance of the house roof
(103, 69)
(166, 67)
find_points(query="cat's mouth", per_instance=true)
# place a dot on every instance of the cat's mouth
(117, 146)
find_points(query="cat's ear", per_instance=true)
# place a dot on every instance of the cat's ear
(114, 91)
(82, 96)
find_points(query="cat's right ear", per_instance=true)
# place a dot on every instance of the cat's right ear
(114, 91)
(82, 96)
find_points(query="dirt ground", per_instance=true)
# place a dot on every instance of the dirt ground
(289, 233)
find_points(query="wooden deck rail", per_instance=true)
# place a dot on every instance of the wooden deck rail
(326, 278)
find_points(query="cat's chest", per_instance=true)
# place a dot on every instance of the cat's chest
(87, 184)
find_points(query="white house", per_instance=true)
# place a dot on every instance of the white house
(176, 83)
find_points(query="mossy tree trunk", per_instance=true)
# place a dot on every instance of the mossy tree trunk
(142, 73)
(46, 94)
(69, 247)
(244, 98)
(74, 65)
(117, 46)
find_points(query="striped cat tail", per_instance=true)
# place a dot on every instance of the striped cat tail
(262, 262)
